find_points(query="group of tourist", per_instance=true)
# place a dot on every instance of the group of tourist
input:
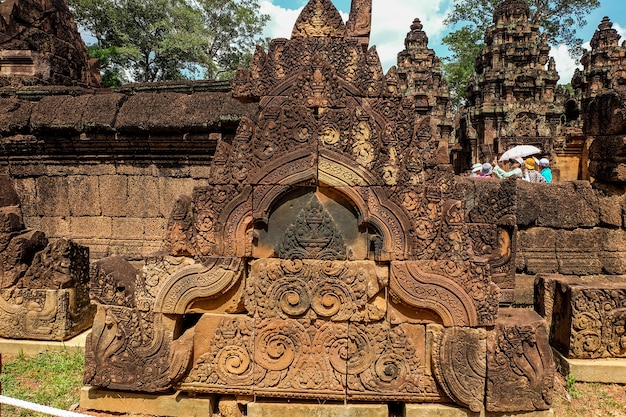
(530, 169)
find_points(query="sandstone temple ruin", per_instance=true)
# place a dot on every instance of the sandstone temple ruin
(299, 238)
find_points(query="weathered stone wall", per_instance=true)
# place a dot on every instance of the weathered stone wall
(105, 168)
(571, 228)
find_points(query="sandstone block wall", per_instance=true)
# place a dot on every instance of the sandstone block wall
(104, 168)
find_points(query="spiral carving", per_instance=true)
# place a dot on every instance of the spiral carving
(587, 342)
(291, 295)
(331, 299)
(277, 346)
(390, 368)
(360, 352)
(233, 365)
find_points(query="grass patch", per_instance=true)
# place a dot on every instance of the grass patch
(49, 378)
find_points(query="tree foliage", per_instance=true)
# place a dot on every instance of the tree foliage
(160, 40)
(557, 19)
(464, 44)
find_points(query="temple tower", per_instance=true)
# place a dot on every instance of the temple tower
(420, 76)
(601, 87)
(511, 97)
(604, 66)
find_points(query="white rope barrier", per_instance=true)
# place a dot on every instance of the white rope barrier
(39, 408)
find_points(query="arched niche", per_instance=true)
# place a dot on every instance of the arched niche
(292, 207)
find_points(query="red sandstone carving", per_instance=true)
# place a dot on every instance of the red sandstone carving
(460, 361)
(520, 369)
(333, 215)
(44, 291)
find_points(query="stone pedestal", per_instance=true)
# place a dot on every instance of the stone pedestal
(605, 371)
(261, 409)
(175, 405)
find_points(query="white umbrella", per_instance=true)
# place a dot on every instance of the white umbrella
(520, 151)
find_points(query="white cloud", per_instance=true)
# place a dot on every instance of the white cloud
(391, 22)
(620, 30)
(566, 66)
(281, 20)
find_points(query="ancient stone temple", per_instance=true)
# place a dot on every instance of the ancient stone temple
(40, 44)
(419, 71)
(44, 286)
(601, 86)
(512, 97)
(330, 256)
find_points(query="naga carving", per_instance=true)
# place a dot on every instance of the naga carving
(520, 368)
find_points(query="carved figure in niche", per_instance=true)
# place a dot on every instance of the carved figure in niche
(525, 125)
(180, 228)
(314, 235)
(362, 148)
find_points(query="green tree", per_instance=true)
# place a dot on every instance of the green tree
(557, 19)
(464, 44)
(160, 40)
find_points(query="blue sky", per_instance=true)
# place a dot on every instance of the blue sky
(392, 19)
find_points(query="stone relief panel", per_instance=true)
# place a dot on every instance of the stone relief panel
(129, 349)
(222, 356)
(311, 359)
(458, 294)
(332, 255)
(520, 368)
(308, 223)
(221, 222)
(333, 290)
(313, 235)
(460, 363)
(389, 363)
(588, 319)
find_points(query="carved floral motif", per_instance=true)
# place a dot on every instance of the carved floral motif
(588, 321)
(333, 290)
(312, 359)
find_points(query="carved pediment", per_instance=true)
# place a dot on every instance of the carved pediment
(319, 18)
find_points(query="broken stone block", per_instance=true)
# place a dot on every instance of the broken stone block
(588, 316)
